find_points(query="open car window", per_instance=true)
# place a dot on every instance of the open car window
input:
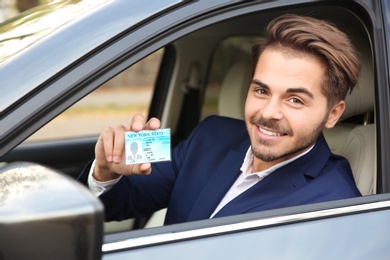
(113, 103)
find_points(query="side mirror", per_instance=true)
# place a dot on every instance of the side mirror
(47, 215)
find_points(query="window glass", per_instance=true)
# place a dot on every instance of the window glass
(113, 103)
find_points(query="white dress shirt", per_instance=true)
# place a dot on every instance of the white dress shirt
(99, 187)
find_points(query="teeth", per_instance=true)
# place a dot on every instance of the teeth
(269, 132)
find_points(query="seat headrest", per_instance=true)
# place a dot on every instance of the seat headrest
(362, 98)
(234, 89)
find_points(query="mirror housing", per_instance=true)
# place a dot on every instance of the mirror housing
(47, 215)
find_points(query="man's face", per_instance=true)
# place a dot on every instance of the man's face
(285, 110)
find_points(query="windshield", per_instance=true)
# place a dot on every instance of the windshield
(22, 31)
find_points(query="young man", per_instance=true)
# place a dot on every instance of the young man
(277, 158)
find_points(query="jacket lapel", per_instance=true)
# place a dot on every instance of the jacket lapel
(219, 184)
(280, 183)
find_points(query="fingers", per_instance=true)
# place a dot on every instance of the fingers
(105, 145)
(110, 147)
(112, 140)
(144, 168)
(152, 124)
(138, 123)
(119, 144)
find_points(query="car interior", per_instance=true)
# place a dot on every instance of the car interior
(196, 54)
(208, 71)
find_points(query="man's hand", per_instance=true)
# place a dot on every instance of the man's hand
(110, 150)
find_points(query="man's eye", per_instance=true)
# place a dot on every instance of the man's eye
(261, 91)
(296, 101)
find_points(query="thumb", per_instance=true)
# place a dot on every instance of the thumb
(144, 168)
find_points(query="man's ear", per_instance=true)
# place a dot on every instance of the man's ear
(334, 114)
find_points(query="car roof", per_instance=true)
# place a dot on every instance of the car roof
(53, 36)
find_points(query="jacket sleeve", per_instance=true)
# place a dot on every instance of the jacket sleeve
(139, 195)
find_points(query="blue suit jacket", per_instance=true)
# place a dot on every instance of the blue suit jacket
(205, 166)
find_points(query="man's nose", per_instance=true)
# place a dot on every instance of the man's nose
(272, 110)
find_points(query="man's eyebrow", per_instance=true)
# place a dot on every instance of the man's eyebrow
(301, 90)
(259, 83)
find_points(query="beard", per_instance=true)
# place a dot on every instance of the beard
(267, 155)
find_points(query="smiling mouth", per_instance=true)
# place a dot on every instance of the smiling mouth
(270, 133)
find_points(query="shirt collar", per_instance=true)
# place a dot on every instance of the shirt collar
(246, 167)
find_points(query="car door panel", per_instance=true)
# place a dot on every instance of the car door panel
(327, 232)
(68, 156)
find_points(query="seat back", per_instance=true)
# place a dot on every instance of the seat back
(356, 141)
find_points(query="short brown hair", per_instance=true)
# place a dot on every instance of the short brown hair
(320, 39)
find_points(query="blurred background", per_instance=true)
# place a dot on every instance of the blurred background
(10, 8)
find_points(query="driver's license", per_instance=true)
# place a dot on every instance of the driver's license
(148, 146)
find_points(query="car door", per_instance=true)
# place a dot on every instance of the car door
(189, 47)
(347, 229)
